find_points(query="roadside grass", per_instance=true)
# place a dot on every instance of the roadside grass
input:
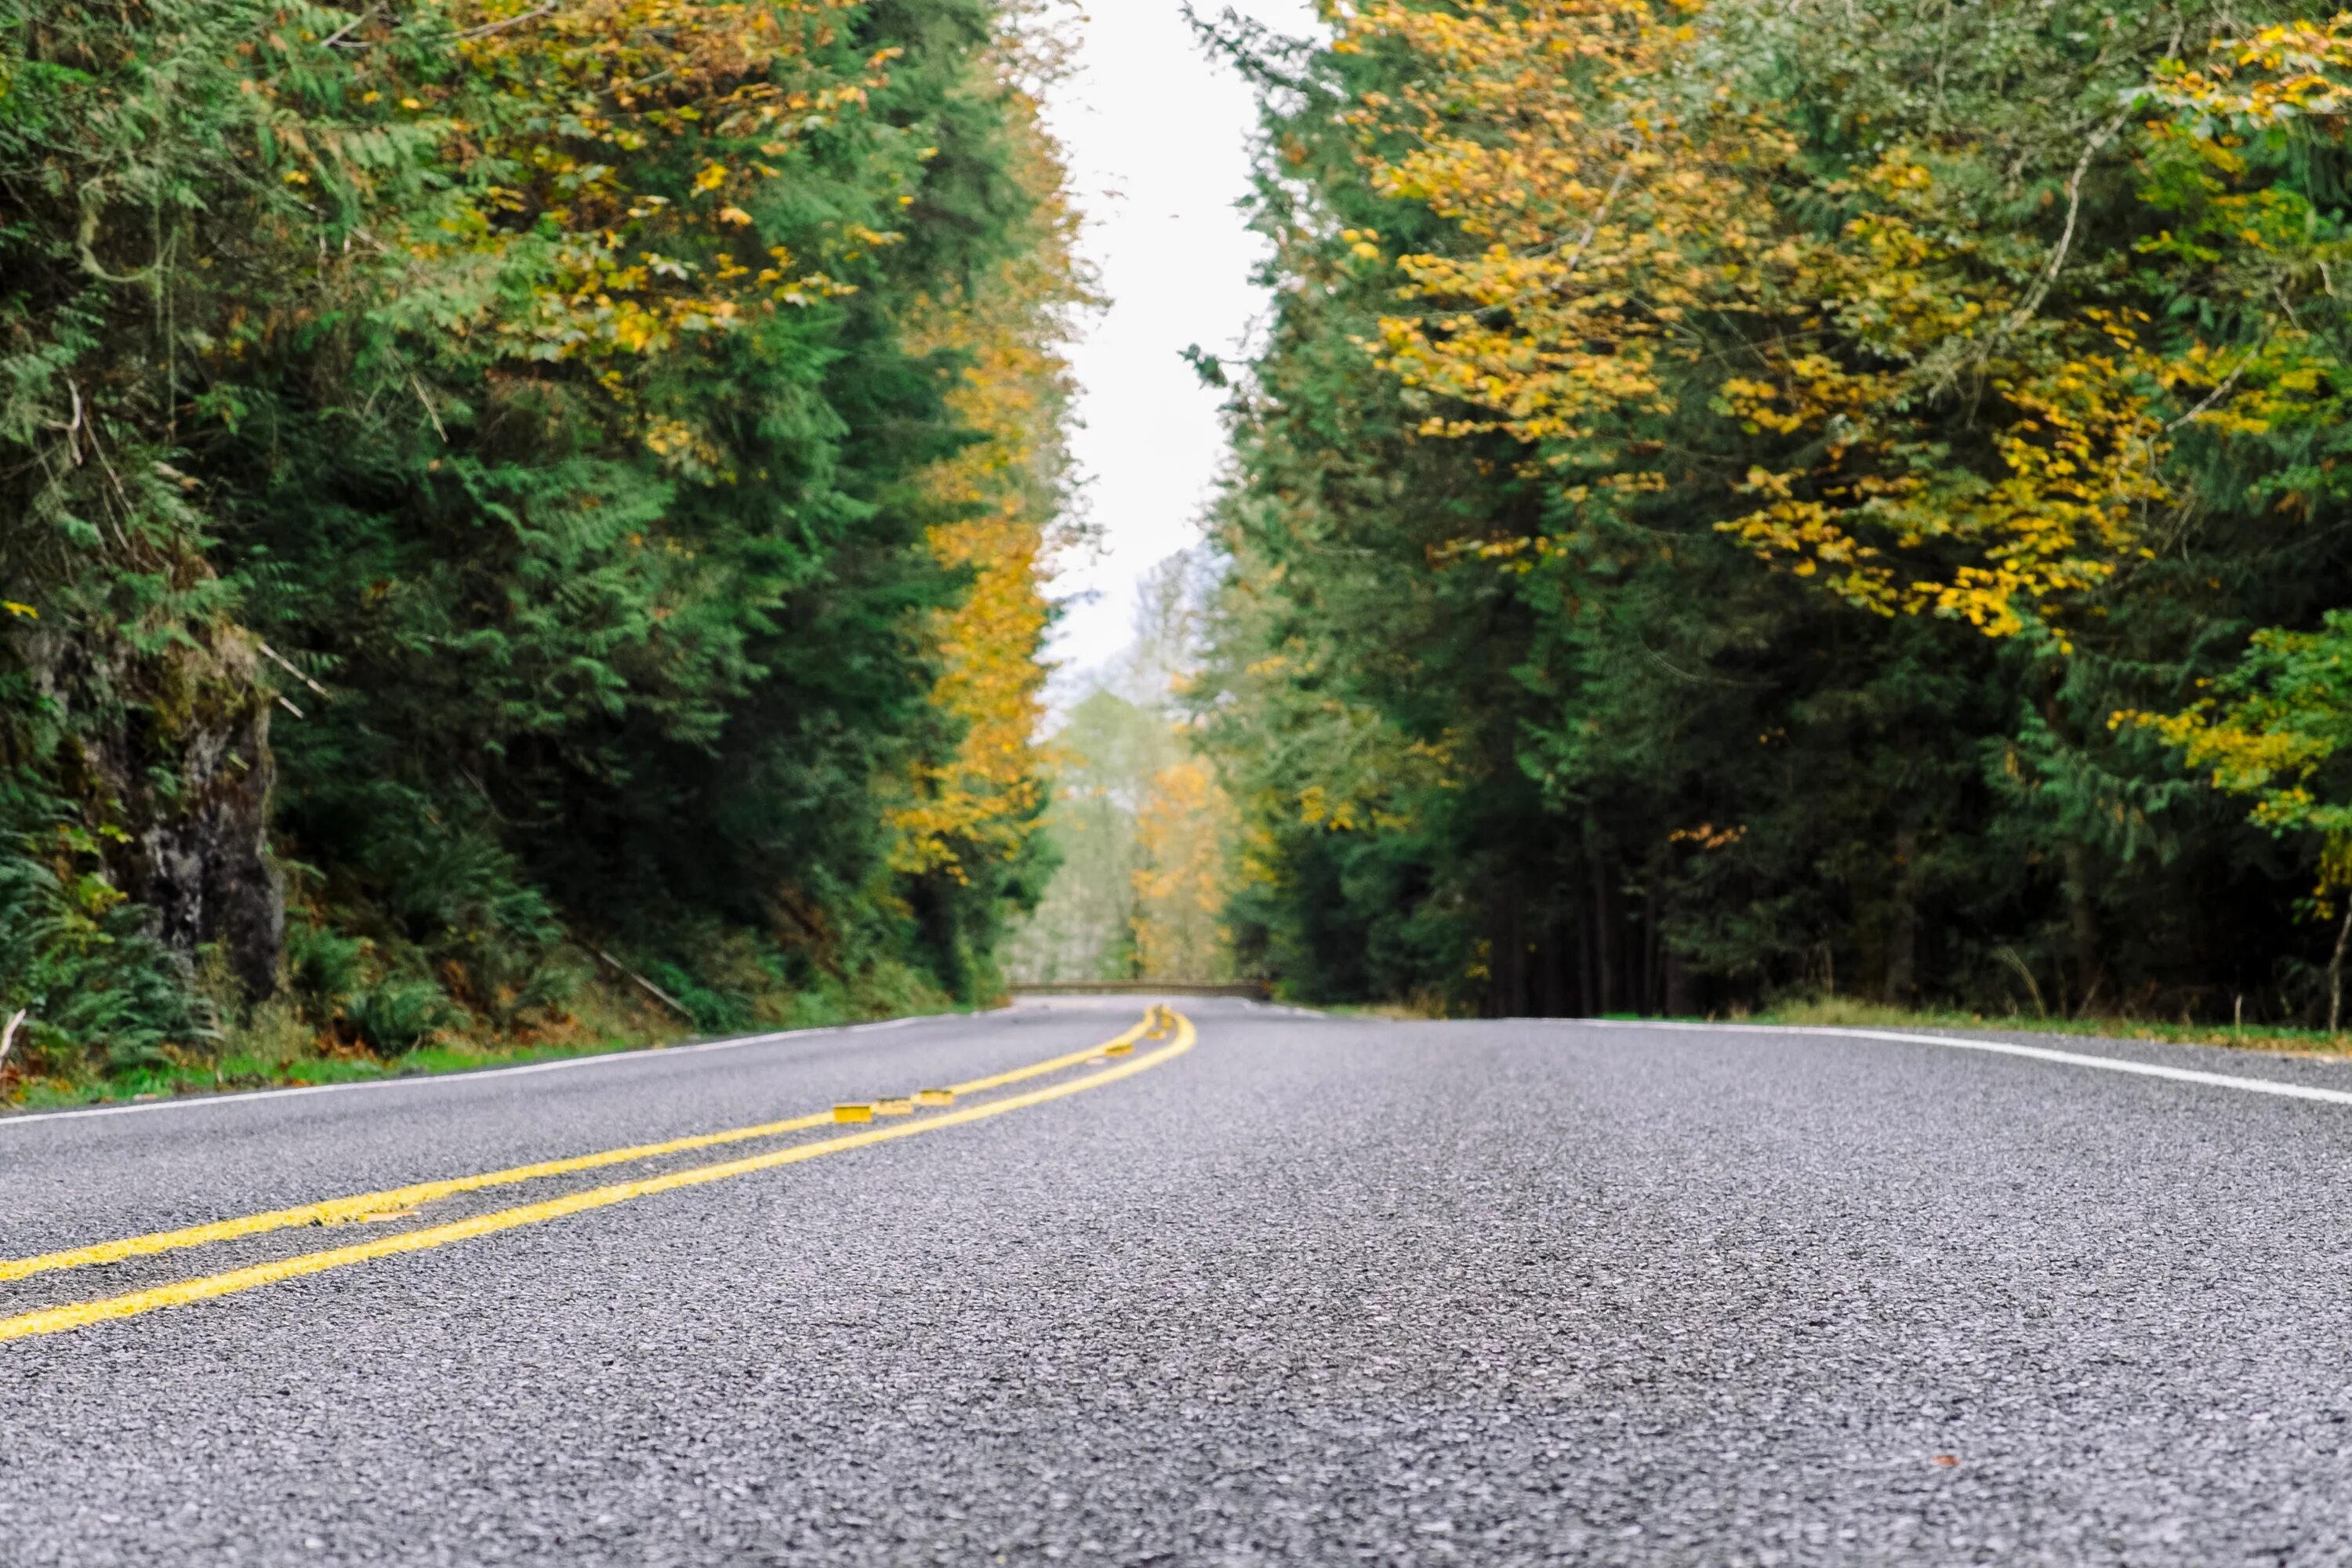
(1846, 1013)
(1840, 1012)
(272, 1050)
(1413, 1011)
(235, 1070)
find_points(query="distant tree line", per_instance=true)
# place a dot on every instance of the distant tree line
(1141, 829)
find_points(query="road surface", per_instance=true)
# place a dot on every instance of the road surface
(1285, 1290)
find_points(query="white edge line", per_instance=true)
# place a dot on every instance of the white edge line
(473, 1075)
(2001, 1048)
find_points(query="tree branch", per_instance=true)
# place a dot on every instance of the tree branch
(487, 28)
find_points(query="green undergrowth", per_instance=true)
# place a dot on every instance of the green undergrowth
(1417, 1010)
(1840, 1012)
(274, 1046)
(238, 1071)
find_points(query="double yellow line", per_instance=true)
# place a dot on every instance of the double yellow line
(337, 1211)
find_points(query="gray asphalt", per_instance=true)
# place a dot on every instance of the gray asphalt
(1319, 1291)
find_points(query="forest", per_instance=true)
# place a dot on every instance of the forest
(529, 525)
(518, 522)
(1738, 500)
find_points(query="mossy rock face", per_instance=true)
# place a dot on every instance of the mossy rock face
(174, 750)
(206, 869)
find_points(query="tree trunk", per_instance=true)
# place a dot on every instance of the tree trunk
(1903, 922)
(1647, 994)
(1603, 946)
(1680, 996)
(2083, 923)
(1507, 962)
(1551, 970)
(1588, 956)
(2336, 975)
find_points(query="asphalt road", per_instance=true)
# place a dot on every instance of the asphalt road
(1313, 1290)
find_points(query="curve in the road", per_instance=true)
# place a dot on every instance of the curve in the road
(83, 1314)
(363, 1205)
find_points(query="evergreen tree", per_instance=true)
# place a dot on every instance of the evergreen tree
(480, 489)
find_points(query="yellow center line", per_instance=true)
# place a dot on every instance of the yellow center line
(341, 1211)
(1037, 1069)
(82, 1314)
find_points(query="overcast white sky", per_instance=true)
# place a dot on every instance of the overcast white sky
(1158, 139)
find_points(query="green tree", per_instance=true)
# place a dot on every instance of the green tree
(1643, 449)
(481, 461)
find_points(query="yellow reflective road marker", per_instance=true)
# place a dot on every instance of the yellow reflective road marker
(893, 1107)
(363, 1205)
(855, 1112)
(1118, 1050)
(935, 1096)
(1039, 1069)
(83, 1314)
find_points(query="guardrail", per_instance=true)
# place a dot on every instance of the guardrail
(1255, 990)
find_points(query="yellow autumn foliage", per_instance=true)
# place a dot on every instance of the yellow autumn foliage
(1184, 829)
(1004, 493)
(1634, 244)
(552, 126)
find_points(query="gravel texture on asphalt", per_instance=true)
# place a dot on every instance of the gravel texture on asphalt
(1321, 1291)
